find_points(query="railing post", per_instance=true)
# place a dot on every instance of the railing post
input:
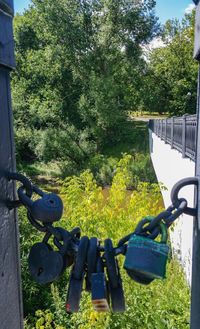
(172, 132)
(161, 123)
(165, 137)
(183, 135)
(11, 314)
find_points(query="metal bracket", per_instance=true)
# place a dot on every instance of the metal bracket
(175, 191)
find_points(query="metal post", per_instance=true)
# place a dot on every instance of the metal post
(165, 137)
(195, 302)
(161, 134)
(160, 128)
(172, 132)
(183, 135)
(11, 315)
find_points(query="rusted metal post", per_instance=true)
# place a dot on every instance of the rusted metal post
(11, 315)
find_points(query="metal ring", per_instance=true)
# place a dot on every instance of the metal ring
(177, 213)
(37, 225)
(156, 220)
(21, 178)
(175, 191)
(54, 231)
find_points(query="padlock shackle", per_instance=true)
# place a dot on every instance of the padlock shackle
(38, 191)
(164, 234)
(148, 219)
(25, 199)
(66, 238)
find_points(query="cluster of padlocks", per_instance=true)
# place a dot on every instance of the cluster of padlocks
(97, 265)
(94, 265)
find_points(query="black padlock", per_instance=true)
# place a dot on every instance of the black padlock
(45, 264)
(145, 258)
(47, 209)
(114, 278)
(117, 296)
(111, 265)
(91, 261)
(100, 296)
(77, 277)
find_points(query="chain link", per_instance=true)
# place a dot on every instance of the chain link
(26, 184)
(178, 207)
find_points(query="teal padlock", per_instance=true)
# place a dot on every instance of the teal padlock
(146, 259)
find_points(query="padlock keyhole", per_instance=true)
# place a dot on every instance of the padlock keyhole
(40, 270)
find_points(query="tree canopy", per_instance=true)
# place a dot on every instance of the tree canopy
(79, 65)
(171, 78)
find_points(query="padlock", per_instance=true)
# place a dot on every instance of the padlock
(74, 293)
(77, 277)
(100, 297)
(111, 265)
(47, 209)
(45, 264)
(146, 258)
(114, 279)
(91, 261)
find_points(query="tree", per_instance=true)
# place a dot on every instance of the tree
(171, 76)
(79, 66)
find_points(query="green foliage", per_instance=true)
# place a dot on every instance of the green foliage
(79, 65)
(106, 213)
(170, 83)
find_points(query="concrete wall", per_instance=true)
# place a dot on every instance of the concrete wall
(170, 167)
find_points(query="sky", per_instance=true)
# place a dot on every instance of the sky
(165, 9)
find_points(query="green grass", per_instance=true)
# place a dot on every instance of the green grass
(133, 139)
(146, 114)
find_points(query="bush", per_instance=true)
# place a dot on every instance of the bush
(163, 304)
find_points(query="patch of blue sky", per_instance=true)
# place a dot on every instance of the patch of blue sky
(165, 9)
(173, 9)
